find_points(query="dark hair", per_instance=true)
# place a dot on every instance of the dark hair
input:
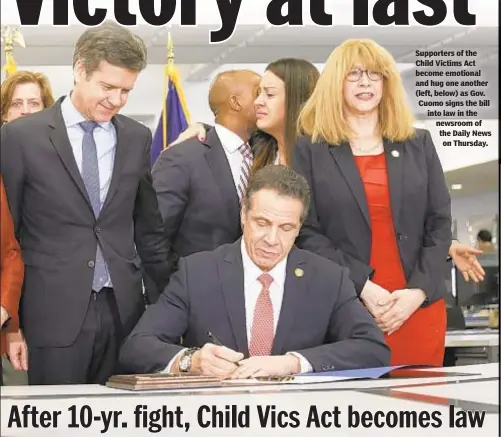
(112, 43)
(300, 78)
(285, 181)
(484, 235)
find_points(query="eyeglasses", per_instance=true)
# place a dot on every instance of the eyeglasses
(356, 75)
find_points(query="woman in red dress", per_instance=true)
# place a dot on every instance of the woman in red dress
(420, 340)
(380, 204)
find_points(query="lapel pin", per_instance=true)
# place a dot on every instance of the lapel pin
(395, 153)
(299, 272)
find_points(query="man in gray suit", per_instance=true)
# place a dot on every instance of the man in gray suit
(79, 186)
(277, 310)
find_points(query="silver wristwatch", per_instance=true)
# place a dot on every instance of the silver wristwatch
(186, 359)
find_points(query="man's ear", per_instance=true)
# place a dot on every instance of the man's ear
(79, 73)
(235, 104)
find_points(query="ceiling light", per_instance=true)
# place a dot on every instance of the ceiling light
(456, 186)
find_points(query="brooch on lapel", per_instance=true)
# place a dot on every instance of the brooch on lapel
(299, 272)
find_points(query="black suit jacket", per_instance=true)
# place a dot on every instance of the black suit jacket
(321, 316)
(58, 231)
(197, 196)
(338, 224)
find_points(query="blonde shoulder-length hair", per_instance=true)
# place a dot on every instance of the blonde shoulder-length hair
(322, 116)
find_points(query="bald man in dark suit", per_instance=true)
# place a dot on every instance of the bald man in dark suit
(199, 184)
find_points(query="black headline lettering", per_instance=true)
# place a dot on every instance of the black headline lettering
(393, 419)
(30, 417)
(84, 417)
(324, 419)
(160, 418)
(294, 15)
(81, 8)
(269, 417)
(122, 14)
(60, 12)
(237, 416)
(228, 10)
(400, 16)
(465, 419)
(147, 9)
(210, 416)
(434, 14)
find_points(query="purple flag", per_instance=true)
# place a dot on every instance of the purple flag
(176, 123)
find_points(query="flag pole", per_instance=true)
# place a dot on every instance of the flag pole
(170, 63)
(170, 50)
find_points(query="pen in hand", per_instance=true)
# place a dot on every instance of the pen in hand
(214, 340)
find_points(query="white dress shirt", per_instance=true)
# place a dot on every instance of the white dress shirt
(231, 142)
(252, 289)
(105, 139)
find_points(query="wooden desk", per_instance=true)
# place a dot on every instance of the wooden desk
(475, 391)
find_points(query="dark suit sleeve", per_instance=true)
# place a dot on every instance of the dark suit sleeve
(149, 235)
(311, 237)
(156, 338)
(171, 180)
(437, 233)
(354, 341)
(12, 166)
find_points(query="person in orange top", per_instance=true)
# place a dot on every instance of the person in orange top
(380, 204)
(12, 274)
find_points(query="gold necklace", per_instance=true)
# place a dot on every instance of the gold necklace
(361, 150)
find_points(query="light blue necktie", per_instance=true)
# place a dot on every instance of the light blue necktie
(90, 176)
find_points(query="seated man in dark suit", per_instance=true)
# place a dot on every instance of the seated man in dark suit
(199, 184)
(277, 310)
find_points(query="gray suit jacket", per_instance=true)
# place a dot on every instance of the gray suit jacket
(321, 316)
(58, 231)
(338, 225)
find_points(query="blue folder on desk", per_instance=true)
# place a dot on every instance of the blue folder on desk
(408, 371)
(372, 373)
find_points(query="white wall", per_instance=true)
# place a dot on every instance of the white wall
(477, 212)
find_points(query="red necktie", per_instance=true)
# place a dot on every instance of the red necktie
(263, 332)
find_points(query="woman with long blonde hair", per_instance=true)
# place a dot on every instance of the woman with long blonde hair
(380, 204)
